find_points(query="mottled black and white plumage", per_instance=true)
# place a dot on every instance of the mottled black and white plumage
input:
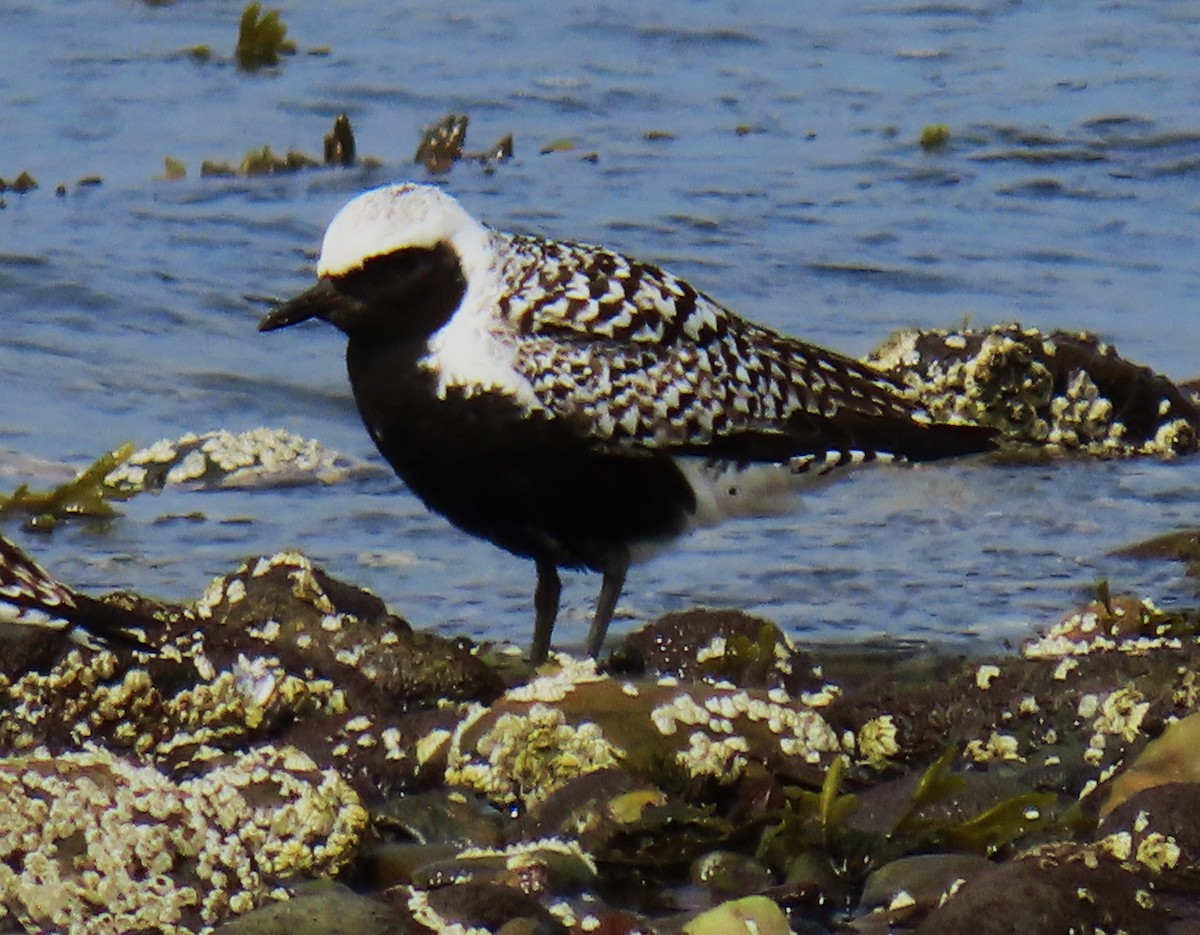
(30, 597)
(573, 405)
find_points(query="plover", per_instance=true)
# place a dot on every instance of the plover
(29, 596)
(574, 405)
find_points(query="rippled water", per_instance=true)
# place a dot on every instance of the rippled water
(767, 152)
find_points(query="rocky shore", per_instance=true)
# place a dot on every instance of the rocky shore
(284, 753)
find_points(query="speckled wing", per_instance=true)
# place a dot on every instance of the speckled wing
(29, 596)
(636, 357)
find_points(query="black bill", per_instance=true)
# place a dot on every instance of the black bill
(314, 303)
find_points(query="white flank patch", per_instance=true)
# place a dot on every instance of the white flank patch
(725, 489)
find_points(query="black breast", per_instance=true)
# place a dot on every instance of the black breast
(526, 482)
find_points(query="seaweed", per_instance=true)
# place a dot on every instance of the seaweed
(339, 143)
(262, 39)
(86, 495)
(935, 137)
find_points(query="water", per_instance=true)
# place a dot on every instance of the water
(1067, 198)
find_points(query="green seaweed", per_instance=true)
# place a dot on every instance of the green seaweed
(936, 783)
(832, 807)
(262, 39)
(935, 137)
(85, 495)
(1005, 822)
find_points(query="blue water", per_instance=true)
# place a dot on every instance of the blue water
(1067, 198)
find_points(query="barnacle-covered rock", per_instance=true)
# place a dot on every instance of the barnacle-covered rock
(718, 646)
(1067, 391)
(574, 721)
(1117, 623)
(284, 606)
(95, 843)
(1056, 888)
(256, 458)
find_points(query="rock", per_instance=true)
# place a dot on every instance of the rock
(751, 915)
(1065, 391)
(95, 843)
(319, 909)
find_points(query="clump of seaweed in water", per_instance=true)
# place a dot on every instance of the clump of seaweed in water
(441, 146)
(262, 39)
(339, 150)
(85, 495)
(935, 137)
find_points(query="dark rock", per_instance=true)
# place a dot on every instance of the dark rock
(318, 909)
(720, 646)
(1048, 893)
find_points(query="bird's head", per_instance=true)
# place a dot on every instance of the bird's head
(395, 262)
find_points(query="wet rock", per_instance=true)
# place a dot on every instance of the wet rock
(222, 460)
(611, 802)
(1182, 546)
(441, 146)
(552, 867)
(318, 909)
(1158, 830)
(903, 891)
(1169, 758)
(728, 874)
(752, 915)
(1048, 892)
(1066, 392)
(1121, 623)
(574, 721)
(440, 816)
(288, 607)
(589, 807)
(472, 905)
(718, 646)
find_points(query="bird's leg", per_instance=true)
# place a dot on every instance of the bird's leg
(545, 606)
(606, 603)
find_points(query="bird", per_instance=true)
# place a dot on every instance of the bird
(31, 597)
(576, 406)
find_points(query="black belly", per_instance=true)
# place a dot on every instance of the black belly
(528, 483)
